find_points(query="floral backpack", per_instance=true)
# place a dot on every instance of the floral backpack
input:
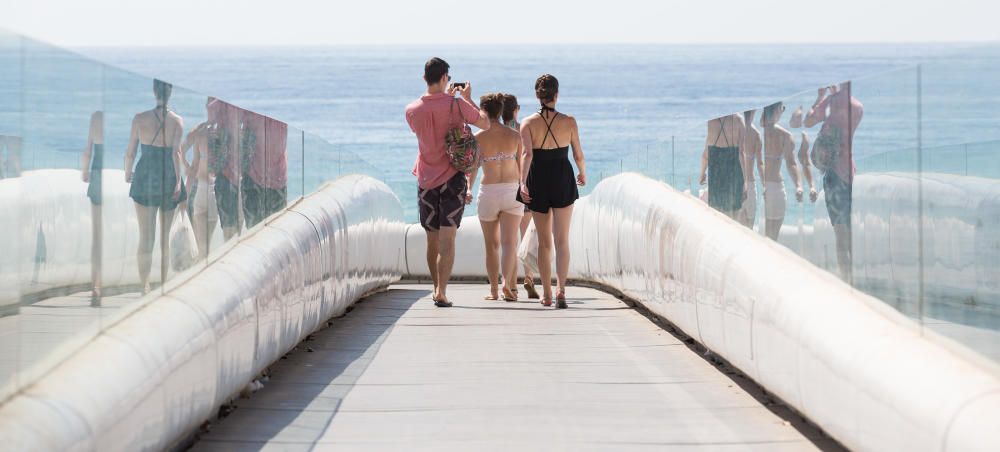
(461, 145)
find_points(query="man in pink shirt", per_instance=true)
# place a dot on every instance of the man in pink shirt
(442, 191)
(840, 113)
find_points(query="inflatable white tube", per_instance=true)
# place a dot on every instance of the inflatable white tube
(177, 357)
(859, 369)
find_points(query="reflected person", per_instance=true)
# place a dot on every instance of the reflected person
(264, 187)
(499, 210)
(156, 178)
(778, 146)
(722, 164)
(224, 140)
(753, 160)
(548, 186)
(92, 167)
(795, 122)
(511, 110)
(840, 113)
(201, 185)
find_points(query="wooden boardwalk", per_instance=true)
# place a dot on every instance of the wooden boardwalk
(397, 373)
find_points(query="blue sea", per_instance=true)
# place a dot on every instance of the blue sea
(640, 107)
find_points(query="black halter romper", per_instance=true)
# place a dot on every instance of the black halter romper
(725, 174)
(551, 181)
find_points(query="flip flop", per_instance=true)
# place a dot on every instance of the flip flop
(529, 286)
(508, 295)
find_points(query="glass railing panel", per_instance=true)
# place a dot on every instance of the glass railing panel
(960, 188)
(295, 149)
(885, 212)
(57, 222)
(11, 138)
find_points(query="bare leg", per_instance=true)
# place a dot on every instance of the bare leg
(166, 219)
(509, 225)
(543, 223)
(843, 235)
(560, 230)
(446, 259)
(491, 235)
(772, 228)
(96, 239)
(147, 235)
(432, 259)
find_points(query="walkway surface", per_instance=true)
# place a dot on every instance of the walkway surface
(397, 373)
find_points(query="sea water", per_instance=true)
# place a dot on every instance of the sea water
(635, 104)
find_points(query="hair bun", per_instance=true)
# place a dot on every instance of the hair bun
(546, 88)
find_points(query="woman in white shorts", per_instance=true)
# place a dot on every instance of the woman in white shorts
(499, 210)
(204, 212)
(778, 146)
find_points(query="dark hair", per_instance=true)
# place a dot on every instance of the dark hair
(546, 88)
(509, 105)
(492, 104)
(769, 111)
(434, 69)
(162, 90)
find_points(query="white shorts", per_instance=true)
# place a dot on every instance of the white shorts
(204, 202)
(497, 198)
(774, 200)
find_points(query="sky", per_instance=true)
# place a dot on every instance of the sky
(378, 22)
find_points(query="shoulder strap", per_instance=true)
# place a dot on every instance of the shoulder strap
(548, 127)
(163, 124)
(722, 132)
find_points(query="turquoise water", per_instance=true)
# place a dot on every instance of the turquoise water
(632, 102)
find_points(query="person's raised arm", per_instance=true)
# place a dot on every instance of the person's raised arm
(807, 166)
(526, 156)
(133, 144)
(817, 113)
(469, 108)
(581, 179)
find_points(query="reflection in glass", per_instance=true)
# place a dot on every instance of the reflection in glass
(91, 171)
(206, 139)
(10, 156)
(224, 163)
(264, 163)
(156, 178)
(753, 160)
(778, 146)
(722, 164)
(840, 114)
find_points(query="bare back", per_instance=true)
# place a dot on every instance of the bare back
(151, 129)
(778, 146)
(726, 132)
(563, 129)
(500, 149)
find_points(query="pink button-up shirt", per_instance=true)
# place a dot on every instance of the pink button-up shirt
(430, 118)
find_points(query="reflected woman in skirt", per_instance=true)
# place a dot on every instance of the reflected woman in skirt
(91, 171)
(722, 164)
(156, 178)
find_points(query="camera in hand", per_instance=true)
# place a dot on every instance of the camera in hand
(458, 84)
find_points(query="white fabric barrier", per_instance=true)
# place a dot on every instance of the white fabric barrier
(47, 218)
(153, 377)
(853, 365)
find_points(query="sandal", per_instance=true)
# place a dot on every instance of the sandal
(529, 286)
(442, 303)
(491, 297)
(509, 295)
(561, 300)
(546, 302)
